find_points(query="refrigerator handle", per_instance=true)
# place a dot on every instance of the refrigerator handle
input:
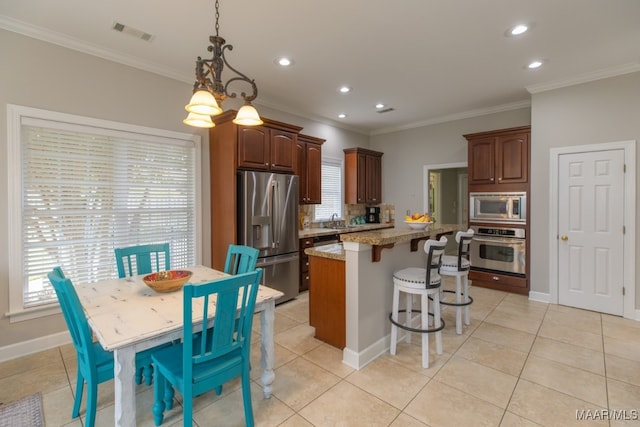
(274, 212)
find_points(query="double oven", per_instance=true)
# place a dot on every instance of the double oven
(499, 223)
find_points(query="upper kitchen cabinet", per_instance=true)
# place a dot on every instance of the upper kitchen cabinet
(363, 176)
(309, 169)
(499, 160)
(270, 147)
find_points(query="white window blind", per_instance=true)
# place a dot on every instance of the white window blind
(331, 190)
(86, 191)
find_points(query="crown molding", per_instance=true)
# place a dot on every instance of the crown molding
(457, 116)
(73, 43)
(586, 77)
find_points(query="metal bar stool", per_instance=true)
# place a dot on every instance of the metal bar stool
(426, 283)
(458, 267)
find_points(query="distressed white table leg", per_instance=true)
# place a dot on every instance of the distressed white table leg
(124, 367)
(267, 347)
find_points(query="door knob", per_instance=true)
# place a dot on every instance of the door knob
(563, 237)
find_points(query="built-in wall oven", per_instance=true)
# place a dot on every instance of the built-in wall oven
(499, 250)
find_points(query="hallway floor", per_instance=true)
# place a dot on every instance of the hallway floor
(519, 363)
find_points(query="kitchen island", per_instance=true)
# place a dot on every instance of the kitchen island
(370, 258)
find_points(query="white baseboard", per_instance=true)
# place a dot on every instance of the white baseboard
(540, 296)
(14, 351)
(360, 360)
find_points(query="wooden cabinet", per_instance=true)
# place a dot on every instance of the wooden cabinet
(271, 147)
(309, 169)
(363, 176)
(304, 263)
(233, 147)
(327, 300)
(499, 160)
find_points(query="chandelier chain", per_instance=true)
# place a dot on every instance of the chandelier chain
(217, 17)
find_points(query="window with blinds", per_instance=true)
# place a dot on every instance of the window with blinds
(86, 190)
(331, 190)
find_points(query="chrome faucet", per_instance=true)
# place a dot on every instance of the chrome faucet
(333, 219)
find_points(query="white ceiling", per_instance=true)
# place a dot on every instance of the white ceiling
(430, 60)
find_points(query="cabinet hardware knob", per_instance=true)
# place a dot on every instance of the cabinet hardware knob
(565, 238)
(492, 179)
(495, 278)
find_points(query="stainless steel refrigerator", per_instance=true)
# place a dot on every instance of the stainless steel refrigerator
(268, 221)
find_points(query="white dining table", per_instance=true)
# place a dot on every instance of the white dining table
(127, 316)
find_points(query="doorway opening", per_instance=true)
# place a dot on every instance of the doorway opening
(446, 194)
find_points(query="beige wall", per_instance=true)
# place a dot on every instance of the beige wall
(597, 112)
(406, 152)
(46, 76)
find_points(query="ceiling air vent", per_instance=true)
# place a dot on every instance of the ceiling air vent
(132, 31)
(386, 110)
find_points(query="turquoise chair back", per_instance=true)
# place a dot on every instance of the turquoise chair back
(142, 259)
(95, 365)
(216, 355)
(240, 259)
(76, 321)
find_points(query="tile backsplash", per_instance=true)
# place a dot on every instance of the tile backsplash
(387, 214)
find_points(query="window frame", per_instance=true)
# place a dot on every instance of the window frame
(338, 162)
(15, 115)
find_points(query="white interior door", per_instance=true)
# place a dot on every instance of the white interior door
(590, 230)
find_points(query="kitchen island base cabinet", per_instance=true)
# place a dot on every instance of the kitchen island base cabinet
(327, 300)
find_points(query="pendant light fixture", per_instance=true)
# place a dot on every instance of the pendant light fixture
(209, 91)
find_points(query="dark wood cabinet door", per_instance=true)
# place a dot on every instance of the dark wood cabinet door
(512, 158)
(314, 173)
(361, 192)
(301, 170)
(253, 147)
(283, 151)
(481, 161)
(373, 182)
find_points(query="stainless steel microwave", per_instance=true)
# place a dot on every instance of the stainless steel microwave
(498, 207)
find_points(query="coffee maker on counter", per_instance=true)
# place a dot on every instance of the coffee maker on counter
(372, 215)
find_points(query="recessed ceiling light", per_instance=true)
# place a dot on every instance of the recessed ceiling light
(344, 89)
(519, 29)
(342, 115)
(535, 64)
(379, 105)
(284, 61)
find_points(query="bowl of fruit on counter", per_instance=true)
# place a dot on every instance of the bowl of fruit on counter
(418, 221)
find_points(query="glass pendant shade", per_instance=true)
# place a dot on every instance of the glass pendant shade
(199, 120)
(203, 102)
(248, 116)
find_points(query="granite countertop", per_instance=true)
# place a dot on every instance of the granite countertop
(381, 239)
(397, 234)
(314, 232)
(334, 251)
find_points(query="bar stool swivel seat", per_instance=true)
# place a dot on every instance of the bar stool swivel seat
(458, 266)
(424, 282)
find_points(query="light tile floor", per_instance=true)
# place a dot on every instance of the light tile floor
(519, 363)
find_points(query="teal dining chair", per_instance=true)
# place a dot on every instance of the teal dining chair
(240, 259)
(142, 259)
(217, 355)
(95, 364)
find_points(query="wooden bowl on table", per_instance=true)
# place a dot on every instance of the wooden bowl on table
(167, 281)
